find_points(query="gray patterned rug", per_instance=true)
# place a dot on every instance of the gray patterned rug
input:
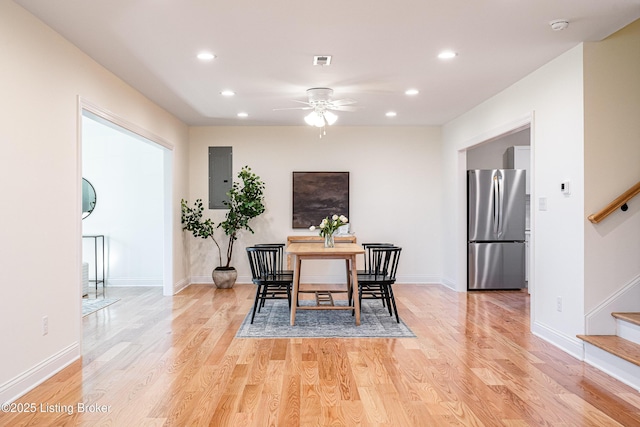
(92, 305)
(272, 321)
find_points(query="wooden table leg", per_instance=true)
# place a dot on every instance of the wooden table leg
(296, 287)
(349, 284)
(354, 287)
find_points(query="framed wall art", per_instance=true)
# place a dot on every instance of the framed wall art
(317, 195)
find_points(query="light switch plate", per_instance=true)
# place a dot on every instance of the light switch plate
(542, 203)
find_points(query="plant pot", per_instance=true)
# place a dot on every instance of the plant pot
(224, 277)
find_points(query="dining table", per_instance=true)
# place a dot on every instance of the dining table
(346, 251)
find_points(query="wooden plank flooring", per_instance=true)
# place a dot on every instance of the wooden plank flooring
(151, 360)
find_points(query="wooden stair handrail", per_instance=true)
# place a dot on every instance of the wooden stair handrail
(614, 205)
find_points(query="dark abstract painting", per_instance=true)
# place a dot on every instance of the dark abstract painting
(317, 195)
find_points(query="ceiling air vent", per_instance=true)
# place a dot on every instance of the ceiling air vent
(322, 60)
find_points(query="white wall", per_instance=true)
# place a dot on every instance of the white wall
(41, 78)
(612, 152)
(127, 174)
(554, 95)
(395, 189)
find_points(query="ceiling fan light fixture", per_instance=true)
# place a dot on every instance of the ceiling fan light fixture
(321, 104)
(319, 118)
(310, 118)
(330, 117)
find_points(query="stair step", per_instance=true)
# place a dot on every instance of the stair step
(633, 318)
(615, 345)
(628, 326)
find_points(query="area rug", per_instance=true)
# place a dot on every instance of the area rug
(92, 305)
(272, 321)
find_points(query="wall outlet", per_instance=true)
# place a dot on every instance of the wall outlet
(559, 304)
(45, 325)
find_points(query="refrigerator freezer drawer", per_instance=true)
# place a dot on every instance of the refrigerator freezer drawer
(496, 265)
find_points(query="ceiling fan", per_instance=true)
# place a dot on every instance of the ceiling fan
(321, 104)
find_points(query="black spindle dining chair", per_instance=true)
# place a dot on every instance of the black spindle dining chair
(377, 283)
(267, 275)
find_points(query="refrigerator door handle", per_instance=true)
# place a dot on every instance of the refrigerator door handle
(496, 204)
(500, 186)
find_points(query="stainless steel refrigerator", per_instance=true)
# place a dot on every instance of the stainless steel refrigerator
(496, 223)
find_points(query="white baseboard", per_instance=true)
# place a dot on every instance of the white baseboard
(134, 282)
(35, 376)
(181, 285)
(450, 283)
(201, 280)
(207, 280)
(618, 368)
(430, 279)
(570, 345)
(405, 280)
(244, 280)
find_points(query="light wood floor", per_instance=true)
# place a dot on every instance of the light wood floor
(152, 361)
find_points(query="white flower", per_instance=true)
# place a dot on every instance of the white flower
(330, 225)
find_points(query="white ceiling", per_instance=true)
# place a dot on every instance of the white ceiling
(265, 51)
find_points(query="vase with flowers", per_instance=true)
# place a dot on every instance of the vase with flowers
(328, 228)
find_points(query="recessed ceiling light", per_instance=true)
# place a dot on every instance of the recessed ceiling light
(447, 54)
(391, 114)
(412, 92)
(243, 115)
(227, 93)
(206, 56)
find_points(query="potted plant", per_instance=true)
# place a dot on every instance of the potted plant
(246, 201)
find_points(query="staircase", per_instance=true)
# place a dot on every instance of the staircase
(617, 355)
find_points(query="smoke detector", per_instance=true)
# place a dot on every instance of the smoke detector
(559, 24)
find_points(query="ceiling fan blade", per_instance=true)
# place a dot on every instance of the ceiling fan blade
(320, 101)
(345, 101)
(293, 108)
(342, 108)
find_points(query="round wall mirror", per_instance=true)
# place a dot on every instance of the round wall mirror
(88, 198)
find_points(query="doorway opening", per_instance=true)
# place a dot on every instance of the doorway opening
(486, 151)
(498, 153)
(130, 170)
